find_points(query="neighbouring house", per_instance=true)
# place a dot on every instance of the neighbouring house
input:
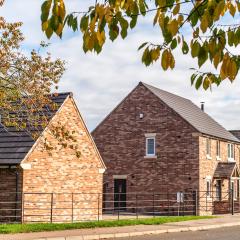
(42, 185)
(158, 144)
(236, 133)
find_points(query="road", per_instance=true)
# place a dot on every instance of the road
(230, 233)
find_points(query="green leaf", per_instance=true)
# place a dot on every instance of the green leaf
(195, 49)
(185, 48)
(173, 44)
(54, 22)
(193, 77)
(202, 56)
(146, 57)
(114, 31)
(84, 23)
(142, 46)
(45, 8)
(199, 82)
(133, 22)
(75, 24)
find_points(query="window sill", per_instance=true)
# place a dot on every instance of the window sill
(219, 159)
(209, 157)
(231, 160)
(154, 156)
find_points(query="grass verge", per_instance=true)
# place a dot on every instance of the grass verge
(42, 227)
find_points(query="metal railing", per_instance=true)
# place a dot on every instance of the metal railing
(75, 207)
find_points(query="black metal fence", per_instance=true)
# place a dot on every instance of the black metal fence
(75, 207)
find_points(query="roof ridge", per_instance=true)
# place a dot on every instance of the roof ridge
(159, 89)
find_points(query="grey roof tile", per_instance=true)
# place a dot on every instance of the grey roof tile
(201, 121)
(14, 145)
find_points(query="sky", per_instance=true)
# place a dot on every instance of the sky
(100, 82)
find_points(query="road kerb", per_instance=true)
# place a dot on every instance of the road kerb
(153, 232)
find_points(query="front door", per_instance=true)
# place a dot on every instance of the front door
(120, 197)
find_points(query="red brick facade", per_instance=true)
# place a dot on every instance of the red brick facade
(121, 139)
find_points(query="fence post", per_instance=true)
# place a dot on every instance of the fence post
(72, 208)
(22, 221)
(118, 205)
(232, 199)
(153, 205)
(183, 196)
(196, 203)
(51, 217)
(168, 204)
(98, 205)
(136, 206)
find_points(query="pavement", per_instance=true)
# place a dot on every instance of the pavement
(129, 231)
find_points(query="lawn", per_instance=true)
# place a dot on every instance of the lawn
(40, 227)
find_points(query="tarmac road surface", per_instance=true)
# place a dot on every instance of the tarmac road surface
(229, 233)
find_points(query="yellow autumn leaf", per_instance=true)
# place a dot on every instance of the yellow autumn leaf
(173, 27)
(232, 9)
(204, 23)
(176, 9)
(165, 60)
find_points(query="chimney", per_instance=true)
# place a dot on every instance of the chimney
(202, 106)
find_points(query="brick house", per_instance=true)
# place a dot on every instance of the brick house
(50, 185)
(158, 142)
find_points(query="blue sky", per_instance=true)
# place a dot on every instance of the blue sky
(100, 82)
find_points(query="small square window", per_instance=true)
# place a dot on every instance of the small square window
(150, 146)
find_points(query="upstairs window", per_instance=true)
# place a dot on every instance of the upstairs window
(230, 152)
(150, 144)
(208, 147)
(218, 150)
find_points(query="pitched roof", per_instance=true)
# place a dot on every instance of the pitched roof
(236, 133)
(224, 170)
(14, 144)
(201, 121)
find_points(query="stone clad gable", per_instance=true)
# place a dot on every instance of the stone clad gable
(62, 170)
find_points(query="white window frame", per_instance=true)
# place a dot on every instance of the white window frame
(154, 147)
(218, 150)
(208, 191)
(208, 148)
(231, 152)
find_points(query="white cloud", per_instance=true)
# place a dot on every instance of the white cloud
(100, 82)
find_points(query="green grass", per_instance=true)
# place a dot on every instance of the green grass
(41, 227)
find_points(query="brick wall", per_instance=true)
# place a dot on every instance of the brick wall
(120, 139)
(207, 169)
(10, 210)
(62, 172)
